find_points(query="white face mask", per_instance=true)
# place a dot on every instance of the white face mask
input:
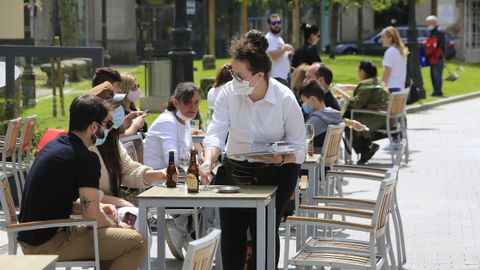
(183, 117)
(243, 88)
(134, 95)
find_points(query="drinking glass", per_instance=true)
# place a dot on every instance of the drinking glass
(195, 124)
(184, 158)
(309, 134)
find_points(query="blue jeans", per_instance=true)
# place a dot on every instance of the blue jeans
(436, 75)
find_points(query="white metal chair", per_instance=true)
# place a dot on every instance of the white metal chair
(396, 112)
(8, 150)
(351, 170)
(137, 141)
(200, 252)
(24, 147)
(13, 227)
(331, 151)
(345, 253)
(132, 152)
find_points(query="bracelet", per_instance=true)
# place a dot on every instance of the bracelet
(282, 162)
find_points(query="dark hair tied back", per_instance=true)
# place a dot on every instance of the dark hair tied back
(251, 48)
(257, 40)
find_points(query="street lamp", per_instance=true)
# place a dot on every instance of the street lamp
(413, 67)
(106, 56)
(181, 53)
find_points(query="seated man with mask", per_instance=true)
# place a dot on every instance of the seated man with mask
(64, 171)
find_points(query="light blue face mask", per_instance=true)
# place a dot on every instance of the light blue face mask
(117, 117)
(100, 141)
(306, 108)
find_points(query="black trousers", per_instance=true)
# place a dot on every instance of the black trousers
(235, 221)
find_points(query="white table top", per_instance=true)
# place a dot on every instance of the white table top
(245, 193)
(31, 262)
(312, 159)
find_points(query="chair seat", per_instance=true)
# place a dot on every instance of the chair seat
(332, 259)
(330, 244)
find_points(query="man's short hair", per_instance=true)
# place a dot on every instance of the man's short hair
(273, 16)
(104, 74)
(312, 88)
(323, 71)
(86, 109)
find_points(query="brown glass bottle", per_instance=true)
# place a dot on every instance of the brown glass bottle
(192, 173)
(171, 171)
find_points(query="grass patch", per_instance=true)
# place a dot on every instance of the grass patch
(345, 70)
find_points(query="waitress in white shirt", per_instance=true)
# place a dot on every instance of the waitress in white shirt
(253, 109)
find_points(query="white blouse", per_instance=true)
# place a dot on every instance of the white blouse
(250, 125)
(165, 134)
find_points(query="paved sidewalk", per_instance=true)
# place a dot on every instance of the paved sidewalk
(438, 192)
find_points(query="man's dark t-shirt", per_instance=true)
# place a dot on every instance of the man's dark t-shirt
(62, 167)
(331, 102)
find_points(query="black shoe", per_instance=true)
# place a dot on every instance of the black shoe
(437, 95)
(368, 154)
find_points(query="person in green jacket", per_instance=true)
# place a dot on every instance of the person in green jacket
(369, 94)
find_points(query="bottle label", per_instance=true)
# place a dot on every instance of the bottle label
(192, 182)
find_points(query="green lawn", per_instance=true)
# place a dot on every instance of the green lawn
(344, 69)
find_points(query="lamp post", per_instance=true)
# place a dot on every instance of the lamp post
(106, 56)
(181, 53)
(28, 75)
(413, 67)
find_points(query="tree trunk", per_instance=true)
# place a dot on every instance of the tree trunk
(319, 7)
(333, 10)
(231, 17)
(360, 26)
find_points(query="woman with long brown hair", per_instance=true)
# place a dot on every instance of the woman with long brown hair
(394, 60)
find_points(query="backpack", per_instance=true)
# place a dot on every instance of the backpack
(432, 51)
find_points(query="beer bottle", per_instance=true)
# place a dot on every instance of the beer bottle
(171, 171)
(192, 173)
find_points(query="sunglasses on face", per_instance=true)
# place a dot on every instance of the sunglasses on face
(276, 23)
(235, 76)
(108, 124)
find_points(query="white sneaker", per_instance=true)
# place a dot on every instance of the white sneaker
(175, 239)
(391, 147)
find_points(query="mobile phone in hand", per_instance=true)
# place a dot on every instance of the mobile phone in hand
(129, 218)
(146, 111)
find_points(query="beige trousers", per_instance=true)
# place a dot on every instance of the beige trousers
(119, 248)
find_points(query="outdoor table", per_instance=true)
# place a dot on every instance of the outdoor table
(260, 197)
(31, 262)
(312, 165)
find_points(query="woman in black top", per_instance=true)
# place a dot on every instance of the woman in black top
(307, 53)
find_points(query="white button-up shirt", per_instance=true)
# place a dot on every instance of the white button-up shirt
(165, 134)
(250, 125)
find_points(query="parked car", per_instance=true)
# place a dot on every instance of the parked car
(373, 44)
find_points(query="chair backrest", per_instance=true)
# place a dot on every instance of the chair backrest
(382, 207)
(397, 103)
(200, 252)
(331, 145)
(137, 140)
(27, 133)
(130, 147)
(11, 137)
(6, 201)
